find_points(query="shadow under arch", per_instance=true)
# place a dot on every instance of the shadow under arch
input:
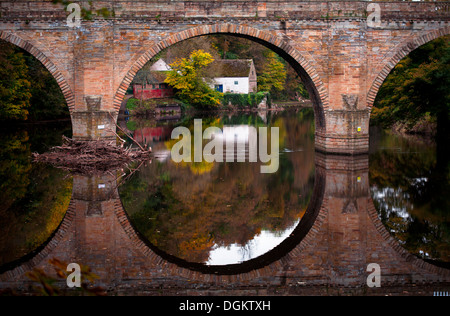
(399, 52)
(293, 243)
(48, 64)
(301, 65)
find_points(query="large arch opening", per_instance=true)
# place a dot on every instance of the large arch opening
(165, 180)
(35, 114)
(396, 55)
(302, 66)
(409, 155)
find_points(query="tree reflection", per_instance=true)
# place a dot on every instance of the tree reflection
(409, 186)
(33, 197)
(186, 213)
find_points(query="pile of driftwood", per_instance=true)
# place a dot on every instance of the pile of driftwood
(92, 156)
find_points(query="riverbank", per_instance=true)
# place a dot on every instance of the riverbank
(425, 127)
(163, 110)
(424, 131)
(293, 104)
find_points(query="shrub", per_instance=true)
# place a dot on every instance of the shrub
(250, 100)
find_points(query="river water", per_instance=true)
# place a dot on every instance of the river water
(224, 214)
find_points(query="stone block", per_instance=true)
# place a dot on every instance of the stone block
(93, 125)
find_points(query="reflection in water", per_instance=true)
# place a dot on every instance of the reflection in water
(213, 215)
(223, 213)
(259, 245)
(409, 187)
(33, 197)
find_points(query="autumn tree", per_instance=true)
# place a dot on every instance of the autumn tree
(274, 74)
(47, 100)
(417, 89)
(21, 100)
(186, 77)
(222, 46)
(14, 84)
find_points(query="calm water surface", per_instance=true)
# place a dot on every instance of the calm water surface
(410, 186)
(33, 197)
(224, 213)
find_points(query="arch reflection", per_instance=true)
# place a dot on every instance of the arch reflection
(34, 198)
(223, 214)
(339, 234)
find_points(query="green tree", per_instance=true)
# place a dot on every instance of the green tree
(47, 100)
(21, 100)
(274, 74)
(186, 77)
(15, 87)
(417, 89)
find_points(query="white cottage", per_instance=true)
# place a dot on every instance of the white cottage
(233, 75)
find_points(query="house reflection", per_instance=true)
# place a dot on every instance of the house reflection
(155, 137)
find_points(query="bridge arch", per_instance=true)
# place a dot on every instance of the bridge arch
(48, 64)
(396, 55)
(303, 67)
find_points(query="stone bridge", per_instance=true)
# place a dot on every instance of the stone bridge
(329, 251)
(342, 59)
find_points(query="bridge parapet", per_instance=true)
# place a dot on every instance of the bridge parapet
(160, 11)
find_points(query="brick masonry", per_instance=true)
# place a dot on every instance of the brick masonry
(341, 59)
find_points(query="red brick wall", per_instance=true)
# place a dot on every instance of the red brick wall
(145, 93)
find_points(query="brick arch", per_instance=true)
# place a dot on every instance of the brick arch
(304, 68)
(304, 235)
(48, 64)
(403, 253)
(401, 51)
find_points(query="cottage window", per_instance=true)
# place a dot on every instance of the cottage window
(236, 83)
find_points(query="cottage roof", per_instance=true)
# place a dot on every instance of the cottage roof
(150, 77)
(160, 65)
(225, 68)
